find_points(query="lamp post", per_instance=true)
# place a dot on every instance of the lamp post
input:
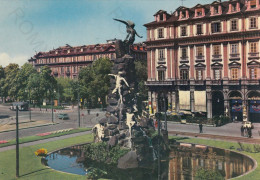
(78, 104)
(52, 115)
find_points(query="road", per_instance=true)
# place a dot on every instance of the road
(7, 116)
(231, 129)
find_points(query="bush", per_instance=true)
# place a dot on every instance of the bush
(101, 153)
(208, 174)
(221, 120)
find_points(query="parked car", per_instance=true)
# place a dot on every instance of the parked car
(63, 116)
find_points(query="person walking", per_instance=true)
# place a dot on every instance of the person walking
(242, 129)
(201, 126)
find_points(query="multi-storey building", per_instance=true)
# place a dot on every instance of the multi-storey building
(206, 59)
(66, 61)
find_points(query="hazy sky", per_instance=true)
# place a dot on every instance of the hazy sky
(29, 26)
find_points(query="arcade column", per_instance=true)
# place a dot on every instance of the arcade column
(209, 103)
(192, 102)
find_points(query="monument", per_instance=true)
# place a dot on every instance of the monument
(122, 125)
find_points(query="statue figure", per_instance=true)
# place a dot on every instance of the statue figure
(118, 87)
(130, 32)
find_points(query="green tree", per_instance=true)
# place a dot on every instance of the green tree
(10, 86)
(47, 82)
(2, 81)
(141, 77)
(23, 75)
(35, 89)
(95, 82)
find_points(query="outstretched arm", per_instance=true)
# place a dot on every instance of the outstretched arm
(121, 21)
(138, 35)
(112, 75)
(125, 82)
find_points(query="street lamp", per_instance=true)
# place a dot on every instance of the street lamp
(30, 113)
(52, 117)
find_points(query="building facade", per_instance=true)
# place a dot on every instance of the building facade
(66, 61)
(206, 59)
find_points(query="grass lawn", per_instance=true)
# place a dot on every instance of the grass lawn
(255, 175)
(36, 138)
(32, 169)
(30, 165)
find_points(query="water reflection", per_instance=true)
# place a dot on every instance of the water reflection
(183, 162)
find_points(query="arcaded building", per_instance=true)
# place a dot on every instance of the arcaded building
(66, 61)
(206, 59)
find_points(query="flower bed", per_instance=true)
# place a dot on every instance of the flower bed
(3, 142)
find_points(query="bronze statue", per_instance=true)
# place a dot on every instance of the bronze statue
(130, 32)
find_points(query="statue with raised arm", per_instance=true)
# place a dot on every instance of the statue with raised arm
(131, 32)
(119, 79)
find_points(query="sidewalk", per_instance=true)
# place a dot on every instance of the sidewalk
(44, 141)
(24, 125)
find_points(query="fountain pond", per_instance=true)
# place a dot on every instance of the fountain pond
(182, 163)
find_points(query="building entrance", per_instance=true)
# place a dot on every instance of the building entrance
(217, 103)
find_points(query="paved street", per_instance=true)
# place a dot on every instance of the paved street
(89, 120)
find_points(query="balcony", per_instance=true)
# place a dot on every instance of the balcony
(161, 61)
(253, 55)
(217, 82)
(200, 59)
(184, 59)
(216, 58)
(234, 57)
(253, 82)
(234, 82)
(200, 82)
(183, 82)
(158, 83)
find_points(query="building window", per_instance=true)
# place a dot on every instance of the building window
(160, 33)
(234, 49)
(234, 25)
(216, 27)
(199, 51)
(253, 73)
(199, 29)
(161, 75)
(184, 53)
(234, 73)
(217, 74)
(216, 10)
(161, 17)
(253, 47)
(184, 74)
(199, 12)
(62, 70)
(199, 74)
(252, 23)
(216, 50)
(183, 15)
(161, 54)
(183, 31)
(253, 4)
(233, 8)
(74, 69)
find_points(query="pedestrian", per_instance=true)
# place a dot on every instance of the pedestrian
(156, 123)
(242, 129)
(250, 132)
(201, 126)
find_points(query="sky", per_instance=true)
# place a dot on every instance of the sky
(30, 26)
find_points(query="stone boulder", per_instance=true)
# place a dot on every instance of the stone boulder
(128, 161)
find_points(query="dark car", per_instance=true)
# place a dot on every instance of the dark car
(63, 116)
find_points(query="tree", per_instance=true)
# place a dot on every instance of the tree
(23, 75)
(10, 86)
(47, 82)
(36, 89)
(2, 81)
(95, 82)
(141, 75)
